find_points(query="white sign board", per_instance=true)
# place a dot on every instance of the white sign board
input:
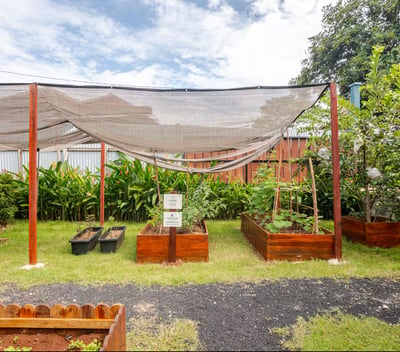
(173, 201)
(172, 219)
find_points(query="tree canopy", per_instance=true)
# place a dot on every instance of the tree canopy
(340, 52)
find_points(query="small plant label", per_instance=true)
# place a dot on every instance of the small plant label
(172, 219)
(172, 201)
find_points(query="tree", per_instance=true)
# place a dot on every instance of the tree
(341, 51)
(370, 141)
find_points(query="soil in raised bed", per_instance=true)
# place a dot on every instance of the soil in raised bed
(113, 234)
(47, 340)
(86, 235)
(155, 230)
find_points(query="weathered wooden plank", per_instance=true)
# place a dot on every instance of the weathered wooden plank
(27, 311)
(88, 311)
(42, 311)
(102, 311)
(2, 311)
(57, 311)
(73, 311)
(55, 323)
(12, 310)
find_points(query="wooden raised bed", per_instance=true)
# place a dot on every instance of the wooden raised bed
(71, 320)
(373, 234)
(287, 246)
(154, 248)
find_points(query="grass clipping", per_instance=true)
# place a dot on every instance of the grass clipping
(340, 332)
(148, 333)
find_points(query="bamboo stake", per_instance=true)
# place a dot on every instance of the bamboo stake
(187, 188)
(158, 184)
(314, 196)
(156, 172)
(277, 190)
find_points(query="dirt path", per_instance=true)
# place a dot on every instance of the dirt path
(232, 316)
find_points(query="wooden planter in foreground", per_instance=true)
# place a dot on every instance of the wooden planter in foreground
(287, 246)
(71, 319)
(154, 248)
(373, 234)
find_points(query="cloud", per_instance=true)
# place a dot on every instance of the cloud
(176, 44)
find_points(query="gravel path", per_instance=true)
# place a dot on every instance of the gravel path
(232, 316)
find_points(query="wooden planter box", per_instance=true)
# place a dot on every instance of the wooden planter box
(71, 320)
(373, 234)
(108, 245)
(287, 246)
(154, 248)
(82, 246)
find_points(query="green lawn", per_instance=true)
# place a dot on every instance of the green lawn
(232, 259)
(340, 332)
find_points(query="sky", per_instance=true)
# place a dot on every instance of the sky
(157, 43)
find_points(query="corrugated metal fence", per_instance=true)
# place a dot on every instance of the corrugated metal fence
(87, 156)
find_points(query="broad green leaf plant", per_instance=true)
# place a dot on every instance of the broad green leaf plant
(288, 215)
(369, 139)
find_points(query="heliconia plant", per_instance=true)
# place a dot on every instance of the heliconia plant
(69, 193)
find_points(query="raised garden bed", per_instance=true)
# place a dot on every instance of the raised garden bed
(85, 240)
(381, 234)
(40, 327)
(287, 246)
(112, 239)
(154, 248)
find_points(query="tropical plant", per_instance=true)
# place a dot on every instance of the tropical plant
(271, 203)
(8, 206)
(370, 143)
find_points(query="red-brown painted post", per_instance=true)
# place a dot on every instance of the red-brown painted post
(33, 92)
(172, 241)
(102, 176)
(337, 216)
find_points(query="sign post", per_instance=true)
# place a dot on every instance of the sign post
(172, 219)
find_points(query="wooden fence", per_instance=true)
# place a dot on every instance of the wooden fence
(291, 148)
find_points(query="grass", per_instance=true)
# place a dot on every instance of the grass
(232, 259)
(149, 333)
(336, 331)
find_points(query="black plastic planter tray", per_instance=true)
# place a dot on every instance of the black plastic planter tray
(108, 245)
(84, 246)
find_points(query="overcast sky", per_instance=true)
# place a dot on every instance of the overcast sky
(157, 43)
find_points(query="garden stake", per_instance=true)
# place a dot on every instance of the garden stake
(158, 184)
(314, 197)
(290, 173)
(277, 191)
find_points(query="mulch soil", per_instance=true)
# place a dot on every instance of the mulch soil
(231, 316)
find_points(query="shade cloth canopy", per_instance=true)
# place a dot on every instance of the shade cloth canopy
(151, 124)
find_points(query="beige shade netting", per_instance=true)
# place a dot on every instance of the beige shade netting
(151, 124)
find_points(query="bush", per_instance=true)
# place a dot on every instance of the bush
(8, 207)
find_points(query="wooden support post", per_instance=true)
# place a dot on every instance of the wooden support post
(172, 244)
(172, 241)
(33, 92)
(102, 183)
(337, 216)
